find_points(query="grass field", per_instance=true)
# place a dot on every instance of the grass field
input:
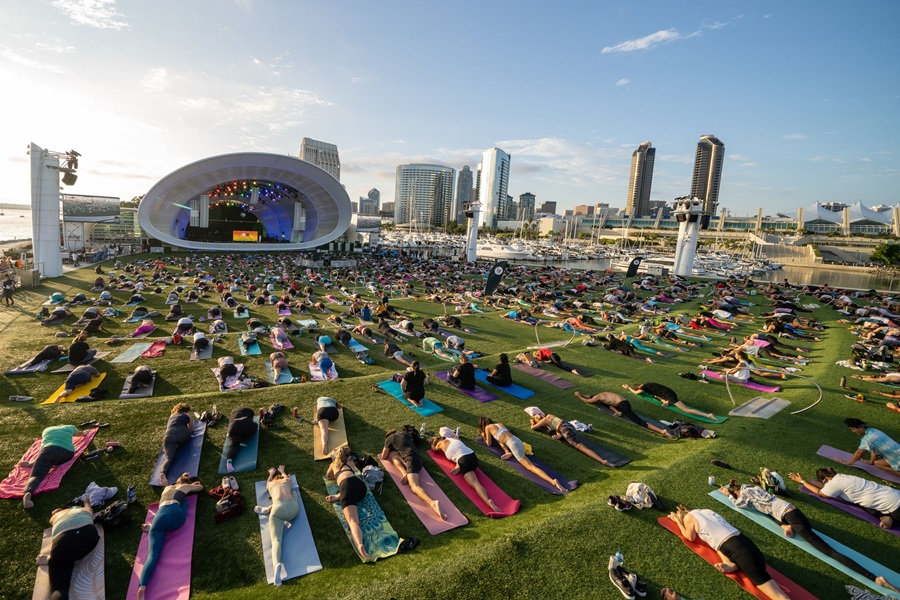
(554, 547)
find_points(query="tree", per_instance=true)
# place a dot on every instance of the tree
(887, 253)
(133, 203)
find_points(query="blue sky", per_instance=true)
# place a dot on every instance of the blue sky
(801, 93)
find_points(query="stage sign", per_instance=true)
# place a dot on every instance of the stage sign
(244, 236)
(89, 209)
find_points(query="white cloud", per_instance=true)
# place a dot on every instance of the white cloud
(8, 54)
(101, 14)
(794, 136)
(648, 41)
(623, 82)
(156, 80)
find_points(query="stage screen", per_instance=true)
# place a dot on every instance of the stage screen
(244, 236)
(89, 209)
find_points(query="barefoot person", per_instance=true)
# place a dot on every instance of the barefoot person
(466, 463)
(878, 500)
(562, 430)
(621, 407)
(512, 447)
(326, 414)
(73, 536)
(413, 384)
(884, 452)
(57, 448)
(401, 450)
(80, 376)
(352, 491)
(284, 509)
(179, 429)
(667, 396)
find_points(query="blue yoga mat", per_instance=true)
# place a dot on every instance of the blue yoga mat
(133, 353)
(298, 549)
(32, 369)
(513, 390)
(393, 388)
(356, 346)
(253, 350)
(285, 377)
(869, 564)
(187, 460)
(246, 458)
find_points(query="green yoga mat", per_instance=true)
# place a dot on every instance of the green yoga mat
(246, 458)
(673, 408)
(379, 536)
(867, 563)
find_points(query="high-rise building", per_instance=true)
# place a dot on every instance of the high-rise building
(708, 175)
(548, 207)
(526, 207)
(638, 202)
(369, 204)
(583, 209)
(423, 194)
(387, 210)
(464, 189)
(322, 154)
(493, 185)
(512, 209)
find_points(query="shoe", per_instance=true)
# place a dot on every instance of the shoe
(619, 579)
(720, 463)
(708, 433)
(703, 367)
(87, 423)
(262, 510)
(639, 587)
(234, 484)
(226, 484)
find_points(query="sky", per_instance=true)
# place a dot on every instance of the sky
(799, 92)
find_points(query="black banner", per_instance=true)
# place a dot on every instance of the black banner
(495, 276)
(633, 266)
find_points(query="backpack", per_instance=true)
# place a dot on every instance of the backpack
(229, 505)
(114, 515)
(268, 418)
(770, 481)
(372, 475)
(413, 433)
(641, 495)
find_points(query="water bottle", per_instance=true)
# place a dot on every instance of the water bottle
(422, 430)
(131, 494)
(215, 409)
(619, 558)
(616, 560)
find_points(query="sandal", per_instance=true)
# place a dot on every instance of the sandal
(87, 423)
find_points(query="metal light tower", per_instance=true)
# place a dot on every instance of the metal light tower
(473, 215)
(689, 213)
(45, 170)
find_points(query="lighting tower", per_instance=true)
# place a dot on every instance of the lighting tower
(689, 213)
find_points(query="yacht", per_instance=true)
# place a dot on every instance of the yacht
(497, 250)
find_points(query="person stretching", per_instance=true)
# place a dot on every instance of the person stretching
(141, 377)
(400, 449)
(80, 376)
(884, 451)
(512, 447)
(179, 429)
(666, 396)
(241, 428)
(326, 414)
(73, 536)
(463, 376)
(466, 463)
(284, 509)
(621, 407)
(57, 448)
(546, 355)
(878, 500)
(562, 430)
(501, 375)
(413, 384)
(171, 515)
(352, 491)
(279, 363)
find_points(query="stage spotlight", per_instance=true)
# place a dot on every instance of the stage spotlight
(69, 178)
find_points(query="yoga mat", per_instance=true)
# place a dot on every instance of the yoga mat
(605, 409)
(172, 578)
(616, 459)
(423, 511)
(233, 380)
(253, 350)
(286, 345)
(143, 335)
(285, 312)
(315, 373)
(284, 377)
(133, 353)
(155, 350)
(14, 484)
(760, 408)
(867, 563)
(337, 436)
(794, 591)
(187, 459)
(330, 349)
(759, 387)
(142, 392)
(204, 354)
(88, 579)
(840, 456)
(654, 400)
(514, 390)
(133, 303)
(134, 319)
(393, 388)
(554, 380)
(298, 548)
(242, 315)
(515, 465)
(306, 323)
(478, 393)
(357, 347)
(32, 369)
(853, 509)
(246, 457)
(82, 390)
(507, 505)
(379, 538)
(69, 367)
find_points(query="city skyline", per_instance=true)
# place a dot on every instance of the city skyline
(141, 90)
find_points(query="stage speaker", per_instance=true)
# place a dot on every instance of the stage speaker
(681, 217)
(704, 222)
(69, 178)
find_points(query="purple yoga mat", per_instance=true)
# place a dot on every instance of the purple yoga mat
(428, 517)
(750, 384)
(554, 380)
(853, 509)
(567, 484)
(480, 394)
(840, 456)
(172, 578)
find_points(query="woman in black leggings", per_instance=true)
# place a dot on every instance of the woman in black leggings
(241, 427)
(74, 536)
(179, 429)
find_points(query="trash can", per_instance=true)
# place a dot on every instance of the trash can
(30, 279)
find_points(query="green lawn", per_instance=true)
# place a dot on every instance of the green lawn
(554, 547)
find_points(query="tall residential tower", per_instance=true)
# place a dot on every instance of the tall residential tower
(423, 195)
(322, 154)
(464, 190)
(638, 203)
(708, 175)
(493, 185)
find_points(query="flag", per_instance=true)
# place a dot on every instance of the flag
(494, 277)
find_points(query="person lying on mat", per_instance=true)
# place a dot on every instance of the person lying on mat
(621, 407)
(179, 429)
(279, 364)
(326, 414)
(145, 327)
(73, 536)
(737, 551)
(51, 352)
(501, 375)
(80, 351)
(171, 515)
(463, 375)
(512, 447)
(364, 331)
(80, 376)
(227, 369)
(284, 509)
(413, 384)
(892, 378)
(562, 430)
(401, 450)
(884, 451)
(323, 341)
(352, 491)
(59, 314)
(280, 336)
(466, 463)
(57, 448)
(667, 396)
(241, 427)
(385, 329)
(878, 500)
(547, 355)
(184, 326)
(792, 522)
(392, 350)
(200, 342)
(435, 346)
(141, 377)
(324, 361)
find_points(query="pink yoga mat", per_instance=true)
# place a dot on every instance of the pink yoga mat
(287, 345)
(750, 384)
(156, 349)
(172, 578)
(507, 505)
(428, 517)
(840, 456)
(14, 485)
(285, 312)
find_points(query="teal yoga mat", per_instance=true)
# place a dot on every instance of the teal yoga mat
(253, 350)
(869, 564)
(379, 537)
(673, 408)
(133, 353)
(285, 377)
(246, 458)
(393, 388)
(298, 549)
